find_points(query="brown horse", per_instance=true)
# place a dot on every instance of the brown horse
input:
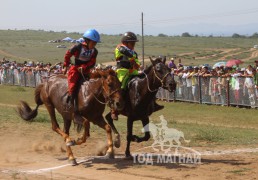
(140, 96)
(102, 88)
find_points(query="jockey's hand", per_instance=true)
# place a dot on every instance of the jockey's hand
(80, 69)
(132, 63)
(64, 70)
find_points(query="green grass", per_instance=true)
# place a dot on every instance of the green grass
(202, 124)
(240, 171)
(33, 45)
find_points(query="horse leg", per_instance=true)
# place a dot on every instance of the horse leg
(146, 137)
(86, 125)
(117, 141)
(102, 124)
(55, 127)
(68, 141)
(129, 137)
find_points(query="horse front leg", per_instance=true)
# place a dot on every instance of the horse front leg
(129, 137)
(68, 141)
(146, 137)
(102, 124)
(117, 141)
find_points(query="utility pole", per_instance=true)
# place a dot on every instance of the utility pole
(142, 43)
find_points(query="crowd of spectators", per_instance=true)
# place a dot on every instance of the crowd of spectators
(192, 81)
(30, 66)
(212, 81)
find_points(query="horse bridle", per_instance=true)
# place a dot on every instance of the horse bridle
(161, 80)
(108, 98)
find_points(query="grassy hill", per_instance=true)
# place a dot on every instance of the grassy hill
(33, 45)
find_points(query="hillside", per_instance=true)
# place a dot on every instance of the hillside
(33, 45)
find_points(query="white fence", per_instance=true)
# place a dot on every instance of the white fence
(236, 91)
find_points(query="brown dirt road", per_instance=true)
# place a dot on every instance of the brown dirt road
(30, 151)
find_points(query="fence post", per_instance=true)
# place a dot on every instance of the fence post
(174, 96)
(228, 97)
(200, 89)
(13, 77)
(34, 76)
(24, 75)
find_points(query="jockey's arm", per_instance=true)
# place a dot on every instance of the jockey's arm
(67, 58)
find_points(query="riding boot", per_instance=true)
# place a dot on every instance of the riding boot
(156, 106)
(77, 116)
(69, 100)
(114, 113)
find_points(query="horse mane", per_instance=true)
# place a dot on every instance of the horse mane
(147, 70)
(100, 73)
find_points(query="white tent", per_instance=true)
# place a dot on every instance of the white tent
(80, 40)
(68, 39)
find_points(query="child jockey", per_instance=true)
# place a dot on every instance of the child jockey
(127, 64)
(85, 55)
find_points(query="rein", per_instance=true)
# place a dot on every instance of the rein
(161, 80)
(108, 95)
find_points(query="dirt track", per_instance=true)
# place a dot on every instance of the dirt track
(31, 150)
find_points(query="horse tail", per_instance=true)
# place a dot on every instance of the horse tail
(24, 110)
(78, 128)
(37, 94)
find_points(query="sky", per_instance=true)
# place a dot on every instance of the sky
(171, 17)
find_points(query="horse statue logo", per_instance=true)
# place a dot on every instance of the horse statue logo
(164, 136)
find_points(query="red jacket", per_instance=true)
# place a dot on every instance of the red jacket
(84, 57)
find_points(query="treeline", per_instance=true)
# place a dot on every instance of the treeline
(235, 35)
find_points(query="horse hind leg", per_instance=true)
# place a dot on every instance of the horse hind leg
(86, 125)
(56, 128)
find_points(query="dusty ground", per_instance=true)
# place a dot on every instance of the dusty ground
(31, 151)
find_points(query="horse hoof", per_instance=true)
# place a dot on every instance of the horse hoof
(73, 162)
(117, 142)
(135, 138)
(109, 155)
(71, 143)
(128, 157)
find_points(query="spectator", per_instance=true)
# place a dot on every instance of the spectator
(172, 64)
(256, 83)
(256, 64)
(249, 84)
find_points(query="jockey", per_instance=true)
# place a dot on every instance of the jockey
(127, 59)
(85, 55)
(127, 64)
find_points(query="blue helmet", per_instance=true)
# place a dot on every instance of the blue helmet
(92, 34)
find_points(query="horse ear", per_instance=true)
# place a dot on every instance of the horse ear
(164, 59)
(152, 61)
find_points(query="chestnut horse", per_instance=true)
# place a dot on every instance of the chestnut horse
(102, 88)
(140, 96)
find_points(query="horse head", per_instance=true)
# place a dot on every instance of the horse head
(163, 73)
(112, 89)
